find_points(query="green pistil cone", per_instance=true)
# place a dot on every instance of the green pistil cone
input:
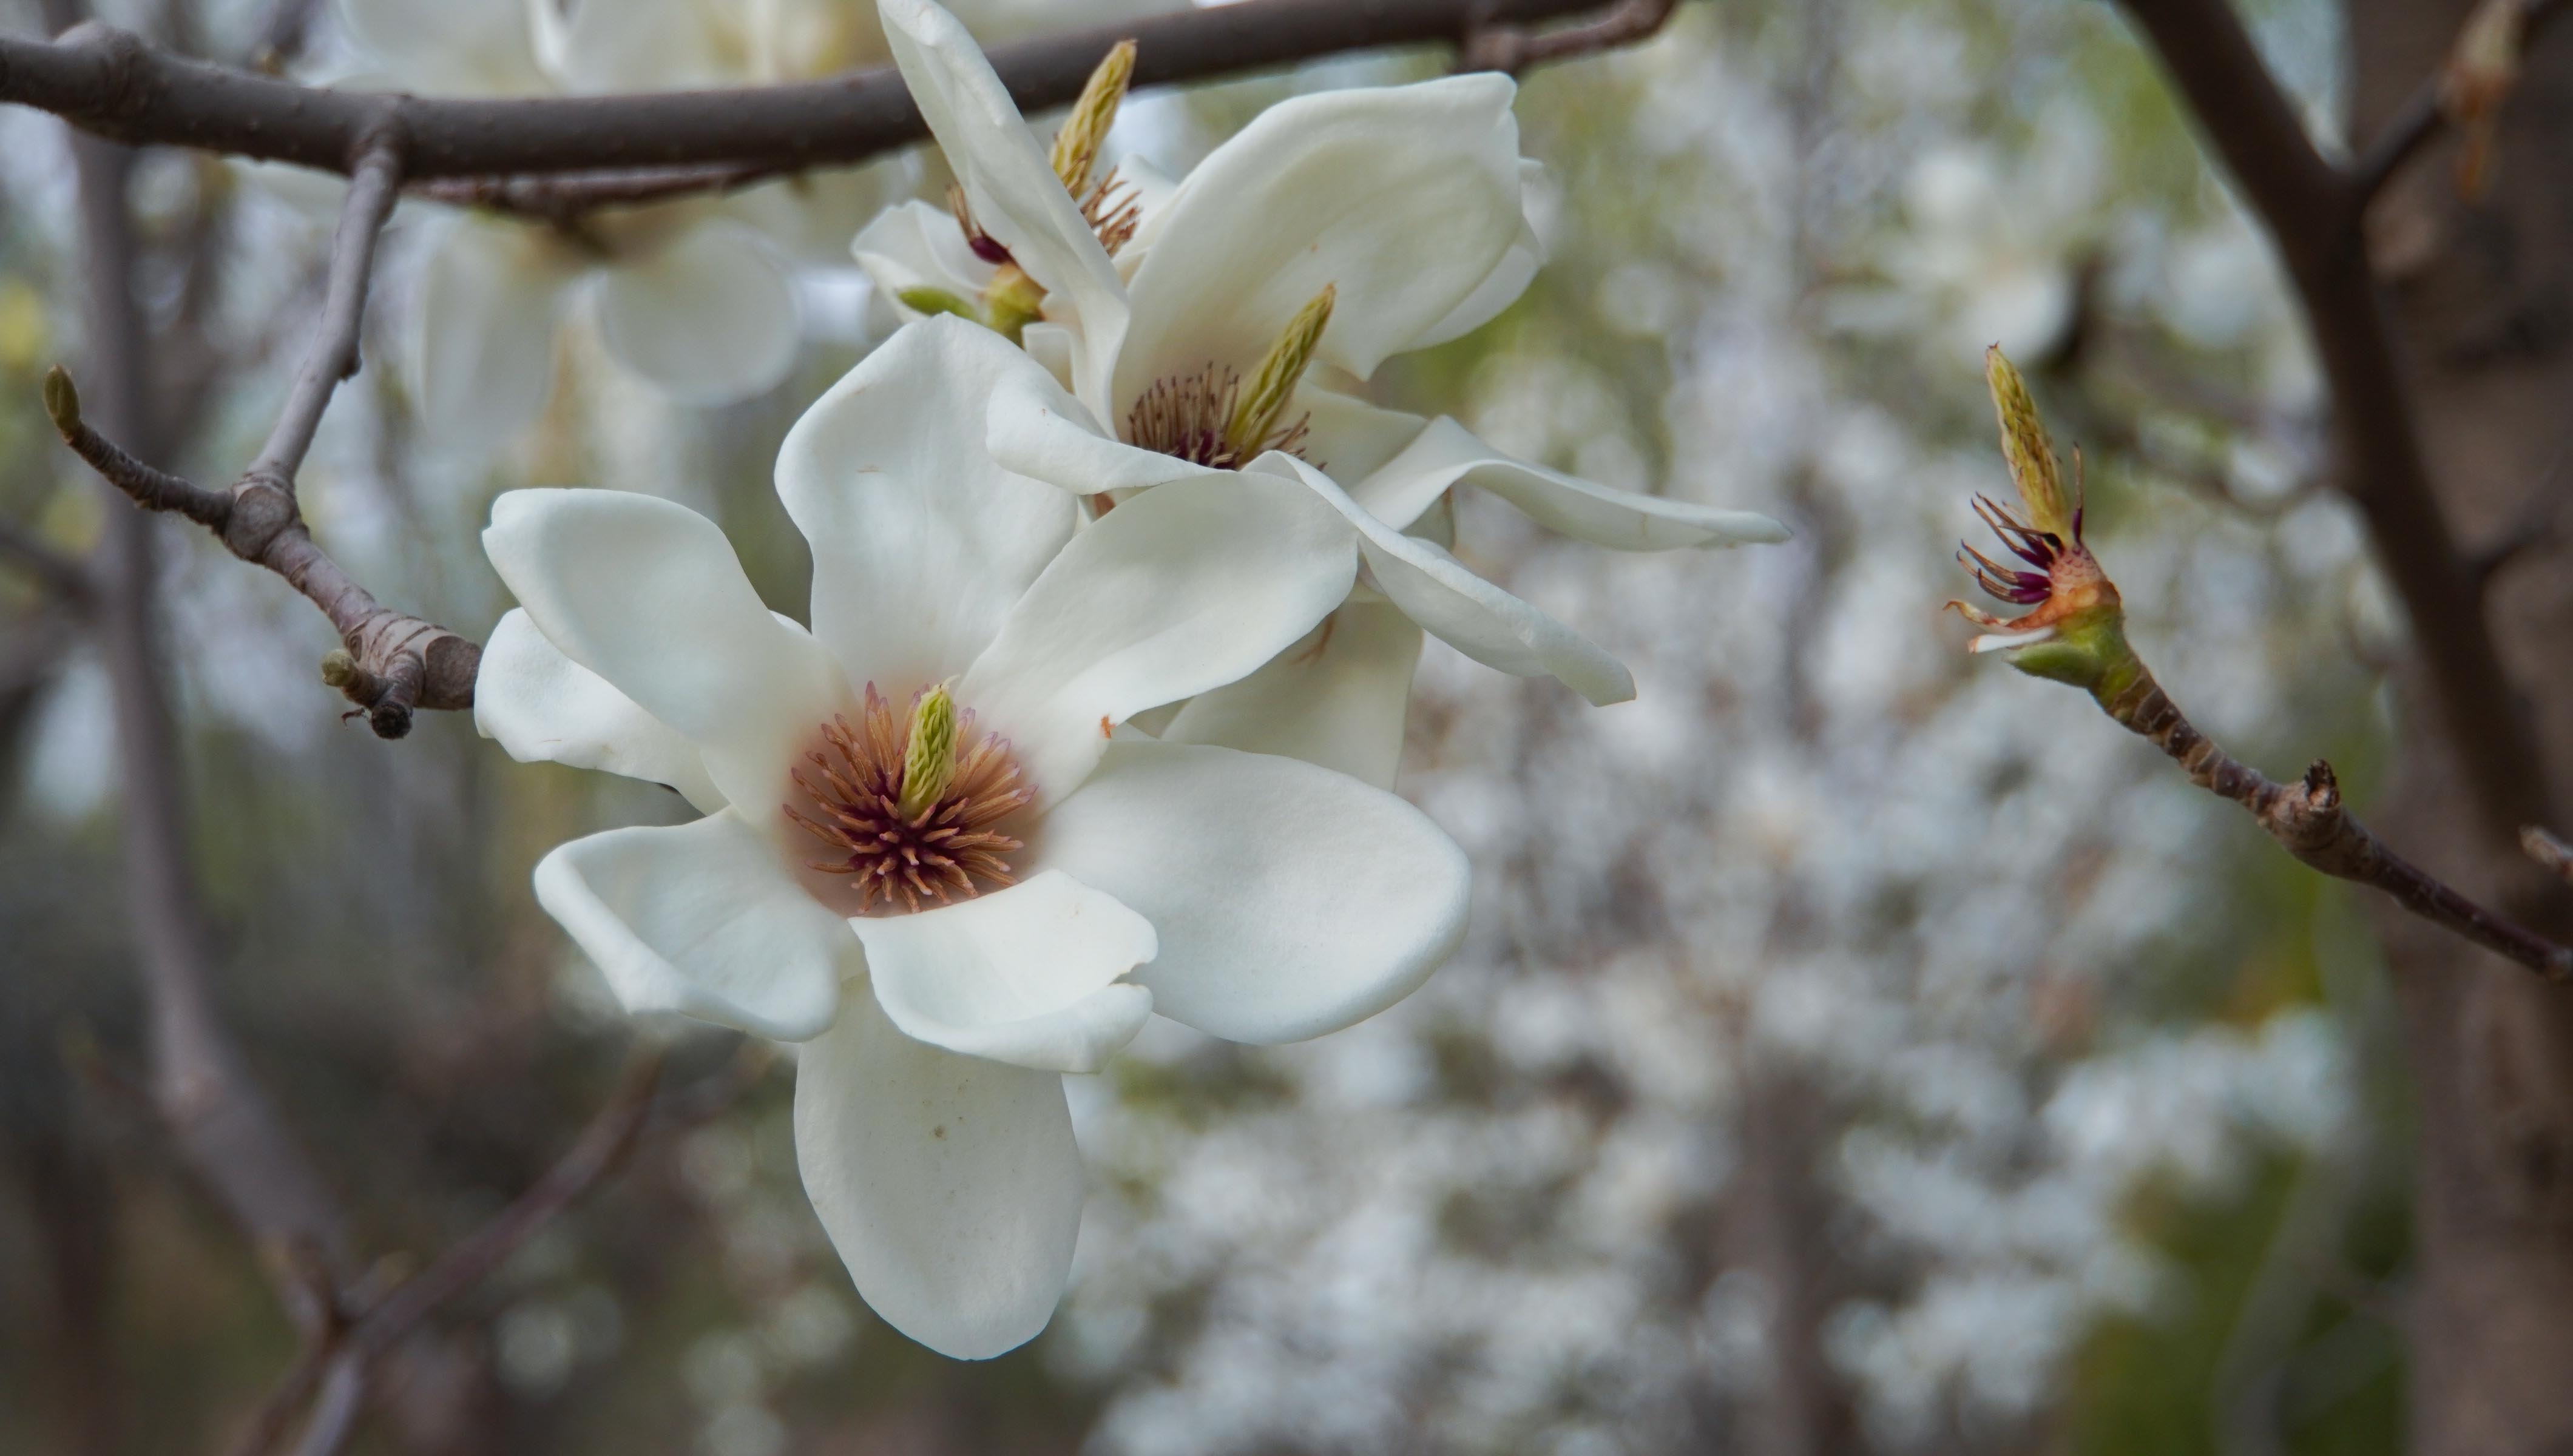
(1272, 386)
(2024, 445)
(929, 759)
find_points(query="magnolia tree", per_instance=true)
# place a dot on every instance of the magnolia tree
(1071, 790)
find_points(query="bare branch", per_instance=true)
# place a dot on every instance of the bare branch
(2422, 114)
(114, 84)
(562, 197)
(391, 664)
(2313, 212)
(2310, 820)
(1515, 48)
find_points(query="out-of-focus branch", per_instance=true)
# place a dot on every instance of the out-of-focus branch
(1515, 48)
(391, 664)
(2426, 110)
(116, 85)
(226, 1130)
(562, 197)
(62, 575)
(2312, 211)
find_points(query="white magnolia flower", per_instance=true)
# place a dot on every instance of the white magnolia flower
(930, 854)
(1395, 215)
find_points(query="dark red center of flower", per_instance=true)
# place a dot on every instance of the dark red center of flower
(2041, 549)
(947, 849)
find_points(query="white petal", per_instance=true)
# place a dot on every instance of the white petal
(1448, 453)
(1404, 197)
(2004, 641)
(702, 919)
(1042, 435)
(1348, 438)
(1186, 587)
(1010, 184)
(1464, 610)
(463, 48)
(921, 544)
(711, 319)
(950, 1186)
(483, 332)
(1025, 974)
(1503, 285)
(1337, 699)
(649, 596)
(1291, 901)
(545, 708)
(917, 246)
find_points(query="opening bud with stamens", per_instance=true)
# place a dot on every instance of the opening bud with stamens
(1256, 413)
(1077, 142)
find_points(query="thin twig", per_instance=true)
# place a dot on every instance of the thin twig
(2424, 112)
(1515, 48)
(2310, 822)
(391, 664)
(563, 198)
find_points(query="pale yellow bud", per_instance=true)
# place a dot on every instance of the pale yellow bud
(2025, 446)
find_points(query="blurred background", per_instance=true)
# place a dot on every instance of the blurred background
(1858, 1046)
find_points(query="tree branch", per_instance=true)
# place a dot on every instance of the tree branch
(2420, 116)
(1513, 48)
(2313, 212)
(114, 84)
(391, 664)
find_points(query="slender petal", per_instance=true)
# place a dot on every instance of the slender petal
(545, 708)
(1404, 197)
(1186, 587)
(649, 596)
(1008, 183)
(921, 542)
(1348, 439)
(1026, 975)
(1291, 901)
(701, 918)
(950, 1186)
(1464, 610)
(483, 331)
(1448, 453)
(712, 317)
(1503, 285)
(1031, 430)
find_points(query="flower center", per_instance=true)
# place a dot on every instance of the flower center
(906, 805)
(1209, 419)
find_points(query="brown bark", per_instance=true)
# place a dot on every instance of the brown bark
(2477, 295)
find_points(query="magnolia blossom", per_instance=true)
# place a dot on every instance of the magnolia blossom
(930, 853)
(1224, 321)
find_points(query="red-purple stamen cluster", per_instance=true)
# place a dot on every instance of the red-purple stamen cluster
(2041, 549)
(1188, 415)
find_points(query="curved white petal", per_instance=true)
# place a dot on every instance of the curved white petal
(950, 1186)
(702, 919)
(1448, 453)
(921, 543)
(1026, 975)
(1041, 433)
(483, 331)
(1182, 588)
(1464, 610)
(1010, 184)
(1508, 278)
(711, 319)
(1404, 197)
(917, 246)
(1337, 698)
(1348, 439)
(1291, 901)
(545, 708)
(463, 48)
(649, 596)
